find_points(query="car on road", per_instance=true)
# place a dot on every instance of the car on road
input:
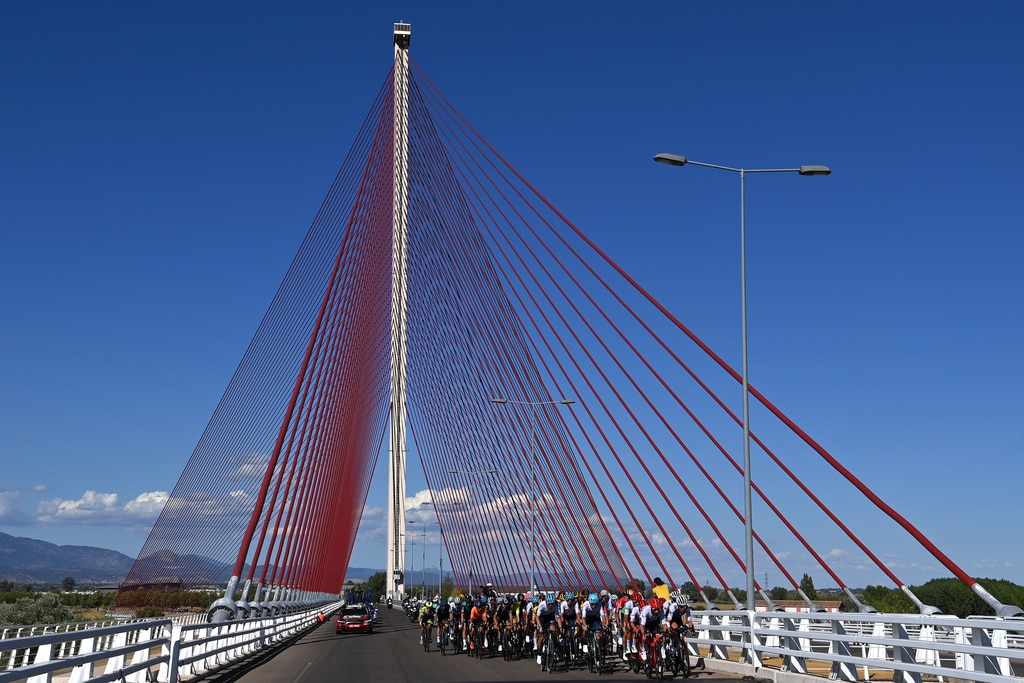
(354, 617)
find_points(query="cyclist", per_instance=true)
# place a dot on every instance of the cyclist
(456, 620)
(545, 618)
(426, 621)
(627, 607)
(594, 616)
(526, 616)
(477, 618)
(444, 613)
(502, 615)
(467, 610)
(650, 618)
(568, 613)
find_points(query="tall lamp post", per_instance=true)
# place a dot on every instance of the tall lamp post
(412, 570)
(748, 526)
(533, 474)
(472, 553)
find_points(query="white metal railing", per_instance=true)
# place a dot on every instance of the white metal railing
(143, 650)
(857, 647)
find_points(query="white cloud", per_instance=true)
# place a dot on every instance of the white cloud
(101, 508)
(147, 505)
(419, 499)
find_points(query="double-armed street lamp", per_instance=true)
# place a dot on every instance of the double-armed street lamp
(677, 160)
(533, 474)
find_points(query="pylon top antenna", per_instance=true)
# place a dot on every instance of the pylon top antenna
(403, 35)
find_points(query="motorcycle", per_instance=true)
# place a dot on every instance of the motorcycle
(389, 603)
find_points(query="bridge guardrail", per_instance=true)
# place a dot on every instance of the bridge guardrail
(850, 647)
(142, 650)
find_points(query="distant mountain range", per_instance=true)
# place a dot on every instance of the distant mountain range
(30, 561)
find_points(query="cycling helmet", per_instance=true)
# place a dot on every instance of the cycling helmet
(535, 599)
(656, 604)
(593, 599)
(550, 598)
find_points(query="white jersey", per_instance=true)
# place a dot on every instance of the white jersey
(567, 611)
(589, 611)
(648, 615)
(546, 612)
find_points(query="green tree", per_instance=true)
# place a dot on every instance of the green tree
(67, 584)
(888, 600)
(377, 583)
(448, 588)
(778, 593)
(807, 586)
(711, 592)
(6, 586)
(28, 611)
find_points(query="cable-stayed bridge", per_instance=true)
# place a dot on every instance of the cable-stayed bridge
(574, 432)
(434, 280)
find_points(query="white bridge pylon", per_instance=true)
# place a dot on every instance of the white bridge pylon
(399, 322)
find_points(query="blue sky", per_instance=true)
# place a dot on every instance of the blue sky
(161, 162)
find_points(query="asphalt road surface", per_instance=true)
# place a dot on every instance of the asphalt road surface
(392, 654)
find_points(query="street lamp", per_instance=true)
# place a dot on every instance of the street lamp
(533, 474)
(423, 571)
(472, 546)
(748, 525)
(412, 570)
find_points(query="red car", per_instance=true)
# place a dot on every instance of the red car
(355, 617)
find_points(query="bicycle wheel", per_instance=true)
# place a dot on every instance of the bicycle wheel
(551, 652)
